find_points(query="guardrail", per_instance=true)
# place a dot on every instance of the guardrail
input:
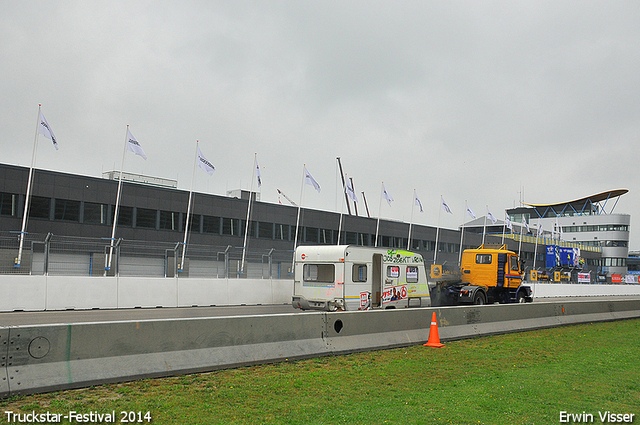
(54, 357)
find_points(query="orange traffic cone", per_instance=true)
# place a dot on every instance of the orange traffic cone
(434, 337)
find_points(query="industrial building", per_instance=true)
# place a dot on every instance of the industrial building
(75, 209)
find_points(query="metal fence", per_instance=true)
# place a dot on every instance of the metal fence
(77, 256)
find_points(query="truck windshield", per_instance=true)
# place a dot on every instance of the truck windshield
(319, 273)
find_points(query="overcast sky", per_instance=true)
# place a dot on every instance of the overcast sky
(486, 101)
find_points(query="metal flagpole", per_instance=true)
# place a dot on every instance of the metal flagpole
(295, 241)
(186, 226)
(346, 201)
(246, 227)
(411, 220)
(484, 227)
(379, 212)
(117, 208)
(535, 251)
(28, 195)
(520, 243)
(435, 252)
(464, 217)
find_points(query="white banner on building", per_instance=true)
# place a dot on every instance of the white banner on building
(630, 279)
(584, 277)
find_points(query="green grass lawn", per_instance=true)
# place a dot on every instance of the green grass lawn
(523, 378)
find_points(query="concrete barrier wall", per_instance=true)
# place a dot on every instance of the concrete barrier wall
(549, 290)
(33, 293)
(53, 357)
(37, 293)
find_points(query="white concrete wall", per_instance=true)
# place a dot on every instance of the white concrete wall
(548, 290)
(36, 293)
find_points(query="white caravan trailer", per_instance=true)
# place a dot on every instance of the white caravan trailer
(344, 277)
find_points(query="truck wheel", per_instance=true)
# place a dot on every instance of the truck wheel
(521, 298)
(479, 299)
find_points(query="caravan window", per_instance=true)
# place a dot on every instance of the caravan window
(319, 273)
(359, 273)
(393, 272)
(412, 274)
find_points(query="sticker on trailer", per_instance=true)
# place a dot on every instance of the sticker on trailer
(365, 300)
(395, 293)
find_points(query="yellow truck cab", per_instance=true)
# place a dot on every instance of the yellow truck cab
(345, 277)
(488, 274)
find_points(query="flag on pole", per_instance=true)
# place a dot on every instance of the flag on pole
(540, 231)
(524, 222)
(45, 130)
(445, 206)
(308, 179)
(205, 164)
(417, 201)
(258, 176)
(508, 221)
(386, 195)
(350, 191)
(471, 213)
(491, 217)
(134, 146)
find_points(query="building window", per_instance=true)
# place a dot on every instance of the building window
(170, 220)
(95, 213)
(282, 232)
(8, 204)
(230, 226)
(351, 238)
(265, 230)
(67, 210)
(146, 218)
(325, 237)
(194, 223)
(125, 216)
(39, 207)
(210, 224)
(311, 235)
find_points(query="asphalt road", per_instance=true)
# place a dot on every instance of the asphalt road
(28, 318)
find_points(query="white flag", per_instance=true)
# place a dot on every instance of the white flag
(417, 201)
(386, 195)
(508, 221)
(540, 231)
(205, 164)
(491, 217)
(308, 179)
(45, 130)
(350, 191)
(134, 146)
(258, 176)
(445, 206)
(526, 224)
(471, 213)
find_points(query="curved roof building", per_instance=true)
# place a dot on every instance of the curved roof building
(589, 220)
